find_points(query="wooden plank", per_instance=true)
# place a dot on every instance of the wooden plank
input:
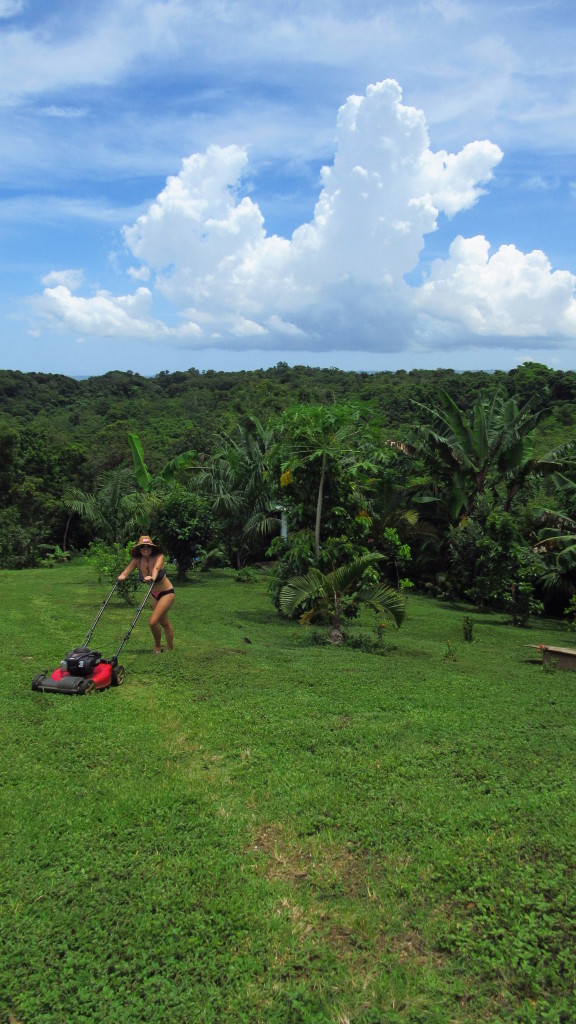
(560, 657)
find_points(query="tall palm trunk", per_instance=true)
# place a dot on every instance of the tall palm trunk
(336, 622)
(65, 538)
(319, 506)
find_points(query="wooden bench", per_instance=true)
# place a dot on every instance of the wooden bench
(560, 657)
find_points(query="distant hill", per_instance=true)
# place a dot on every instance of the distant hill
(174, 412)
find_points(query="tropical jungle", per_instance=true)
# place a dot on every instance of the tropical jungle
(463, 484)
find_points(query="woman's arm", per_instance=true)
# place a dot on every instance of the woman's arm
(158, 564)
(129, 568)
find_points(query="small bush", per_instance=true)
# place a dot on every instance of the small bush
(51, 555)
(214, 558)
(108, 562)
(371, 643)
(246, 575)
(570, 615)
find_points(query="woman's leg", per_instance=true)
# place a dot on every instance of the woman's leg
(168, 632)
(157, 634)
(159, 620)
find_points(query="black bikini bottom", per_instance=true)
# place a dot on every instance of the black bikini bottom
(163, 593)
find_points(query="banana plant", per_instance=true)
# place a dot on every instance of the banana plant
(170, 472)
(490, 447)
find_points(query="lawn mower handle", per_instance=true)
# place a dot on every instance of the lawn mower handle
(125, 637)
(97, 619)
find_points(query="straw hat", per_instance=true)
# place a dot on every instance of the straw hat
(156, 549)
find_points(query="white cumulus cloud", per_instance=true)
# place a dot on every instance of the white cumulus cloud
(508, 294)
(339, 281)
(106, 315)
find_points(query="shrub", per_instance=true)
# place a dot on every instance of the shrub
(491, 565)
(371, 643)
(51, 555)
(215, 558)
(296, 556)
(570, 615)
(16, 541)
(108, 561)
(184, 524)
(246, 575)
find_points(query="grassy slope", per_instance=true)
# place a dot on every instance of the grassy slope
(274, 832)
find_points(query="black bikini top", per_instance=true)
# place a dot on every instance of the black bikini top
(160, 576)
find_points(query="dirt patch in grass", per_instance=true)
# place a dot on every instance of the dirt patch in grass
(322, 864)
(410, 946)
(331, 900)
(279, 859)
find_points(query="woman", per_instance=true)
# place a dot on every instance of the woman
(148, 558)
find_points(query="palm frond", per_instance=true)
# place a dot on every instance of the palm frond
(386, 601)
(343, 579)
(302, 588)
(262, 524)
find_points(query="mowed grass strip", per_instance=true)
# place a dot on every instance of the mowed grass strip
(256, 828)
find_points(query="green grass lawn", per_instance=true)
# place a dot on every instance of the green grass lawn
(258, 829)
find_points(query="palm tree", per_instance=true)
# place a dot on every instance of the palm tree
(317, 441)
(114, 509)
(340, 591)
(239, 482)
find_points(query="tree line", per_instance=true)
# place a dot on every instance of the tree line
(460, 484)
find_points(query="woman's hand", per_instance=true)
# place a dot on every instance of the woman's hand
(148, 579)
(121, 576)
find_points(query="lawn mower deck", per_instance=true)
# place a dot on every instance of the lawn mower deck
(84, 670)
(106, 672)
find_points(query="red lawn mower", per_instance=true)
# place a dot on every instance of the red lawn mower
(84, 670)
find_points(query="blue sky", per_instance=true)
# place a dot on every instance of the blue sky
(225, 184)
